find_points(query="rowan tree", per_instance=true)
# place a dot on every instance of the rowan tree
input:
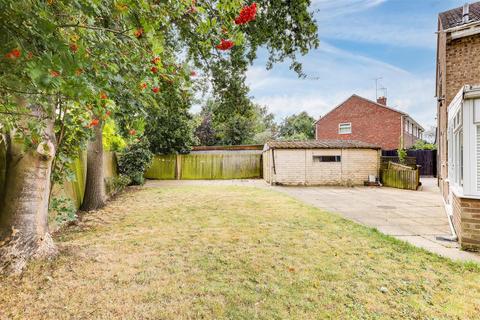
(63, 66)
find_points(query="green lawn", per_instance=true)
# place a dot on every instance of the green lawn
(236, 253)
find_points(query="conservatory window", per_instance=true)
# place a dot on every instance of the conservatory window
(457, 149)
(477, 153)
(464, 147)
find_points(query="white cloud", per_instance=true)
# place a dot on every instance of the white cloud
(340, 74)
(364, 21)
(329, 9)
(383, 30)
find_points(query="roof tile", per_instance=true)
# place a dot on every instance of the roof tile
(453, 18)
(320, 144)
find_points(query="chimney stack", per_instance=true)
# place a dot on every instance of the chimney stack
(382, 100)
(466, 13)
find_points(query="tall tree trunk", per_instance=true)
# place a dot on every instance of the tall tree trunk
(95, 194)
(24, 209)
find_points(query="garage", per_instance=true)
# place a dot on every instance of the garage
(320, 162)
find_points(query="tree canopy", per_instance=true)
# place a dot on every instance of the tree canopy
(297, 127)
(68, 67)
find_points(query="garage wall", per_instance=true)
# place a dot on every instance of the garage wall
(324, 173)
(357, 165)
(267, 165)
(290, 166)
(296, 166)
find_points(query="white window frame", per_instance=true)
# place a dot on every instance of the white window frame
(462, 131)
(345, 125)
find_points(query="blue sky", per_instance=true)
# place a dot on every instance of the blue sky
(361, 40)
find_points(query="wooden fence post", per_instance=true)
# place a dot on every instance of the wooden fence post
(178, 167)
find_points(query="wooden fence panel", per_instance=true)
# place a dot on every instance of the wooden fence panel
(220, 166)
(206, 166)
(163, 167)
(426, 159)
(402, 179)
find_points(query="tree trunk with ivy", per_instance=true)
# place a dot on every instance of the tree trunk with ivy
(24, 230)
(95, 194)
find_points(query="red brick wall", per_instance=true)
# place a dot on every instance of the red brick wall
(466, 218)
(458, 64)
(370, 123)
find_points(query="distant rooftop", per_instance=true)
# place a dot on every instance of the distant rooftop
(321, 144)
(454, 18)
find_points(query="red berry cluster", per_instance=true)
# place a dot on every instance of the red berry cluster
(54, 73)
(93, 123)
(192, 8)
(14, 54)
(225, 45)
(73, 47)
(247, 14)
(138, 33)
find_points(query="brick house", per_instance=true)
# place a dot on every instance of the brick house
(361, 119)
(458, 119)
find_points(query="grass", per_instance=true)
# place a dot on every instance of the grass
(235, 253)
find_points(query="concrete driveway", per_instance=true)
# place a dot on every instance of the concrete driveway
(417, 217)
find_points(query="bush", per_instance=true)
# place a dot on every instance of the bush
(135, 160)
(117, 184)
(423, 145)
(402, 155)
(64, 210)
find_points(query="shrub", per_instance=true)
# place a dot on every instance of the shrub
(135, 160)
(64, 210)
(402, 155)
(117, 184)
(423, 145)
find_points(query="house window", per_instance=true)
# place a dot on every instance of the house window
(345, 128)
(327, 159)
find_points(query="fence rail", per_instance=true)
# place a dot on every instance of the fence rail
(409, 161)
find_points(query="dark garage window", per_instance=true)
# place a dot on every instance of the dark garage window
(327, 158)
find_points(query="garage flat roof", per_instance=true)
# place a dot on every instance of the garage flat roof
(320, 144)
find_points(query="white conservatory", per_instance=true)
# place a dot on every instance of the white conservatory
(464, 143)
(463, 204)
